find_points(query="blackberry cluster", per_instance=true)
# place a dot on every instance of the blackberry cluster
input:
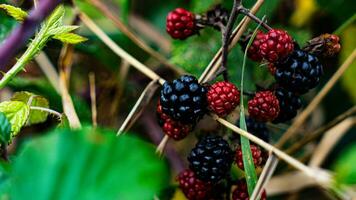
(264, 106)
(241, 192)
(181, 24)
(192, 187)
(184, 99)
(289, 104)
(223, 97)
(299, 72)
(211, 159)
(259, 129)
(259, 156)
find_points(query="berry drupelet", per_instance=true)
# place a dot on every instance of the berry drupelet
(241, 192)
(264, 106)
(181, 24)
(289, 104)
(192, 187)
(299, 72)
(184, 99)
(223, 97)
(259, 129)
(211, 159)
(253, 51)
(258, 155)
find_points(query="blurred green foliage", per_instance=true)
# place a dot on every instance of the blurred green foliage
(85, 164)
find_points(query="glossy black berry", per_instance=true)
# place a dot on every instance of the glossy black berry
(184, 99)
(289, 104)
(211, 158)
(299, 72)
(258, 129)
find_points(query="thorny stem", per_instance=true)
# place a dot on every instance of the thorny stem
(247, 12)
(226, 39)
(23, 32)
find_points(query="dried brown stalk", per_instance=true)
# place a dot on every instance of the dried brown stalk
(141, 103)
(94, 112)
(318, 132)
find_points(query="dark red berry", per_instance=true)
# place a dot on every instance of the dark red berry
(241, 192)
(259, 157)
(253, 51)
(181, 24)
(192, 187)
(176, 130)
(264, 106)
(223, 97)
(275, 45)
(161, 116)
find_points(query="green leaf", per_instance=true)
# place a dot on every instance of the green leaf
(17, 113)
(70, 38)
(15, 12)
(5, 129)
(62, 29)
(249, 166)
(345, 166)
(36, 116)
(55, 19)
(87, 164)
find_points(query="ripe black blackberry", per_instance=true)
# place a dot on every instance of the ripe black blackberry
(299, 72)
(211, 159)
(258, 129)
(289, 104)
(184, 99)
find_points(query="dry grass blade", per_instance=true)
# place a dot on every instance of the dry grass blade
(162, 145)
(265, 176)
(48, 69)
(318, 132)
(130, 34)
(329, 141)
(118, 50)
(65, 61)
(288, 183)
(93, 99)
(316, 101)
(141, 103)
(235, 37)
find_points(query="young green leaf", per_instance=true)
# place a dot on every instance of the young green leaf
(15, 12)
(55, 19)
(17, 113)
(5, 129)
(36, 116)
(70, 38)
(62, 29)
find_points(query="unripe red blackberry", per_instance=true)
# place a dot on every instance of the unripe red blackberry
(173, 129)
(181, 24)
(259, 156)
(253, 51)
(211, 159)
(192, 187)
(264, 106)
(275, 45)
(241, 192)
(223, 97)
(176, 130)
(161, 117)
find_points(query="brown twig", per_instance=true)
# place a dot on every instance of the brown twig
(316, 101)
(93, 99)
